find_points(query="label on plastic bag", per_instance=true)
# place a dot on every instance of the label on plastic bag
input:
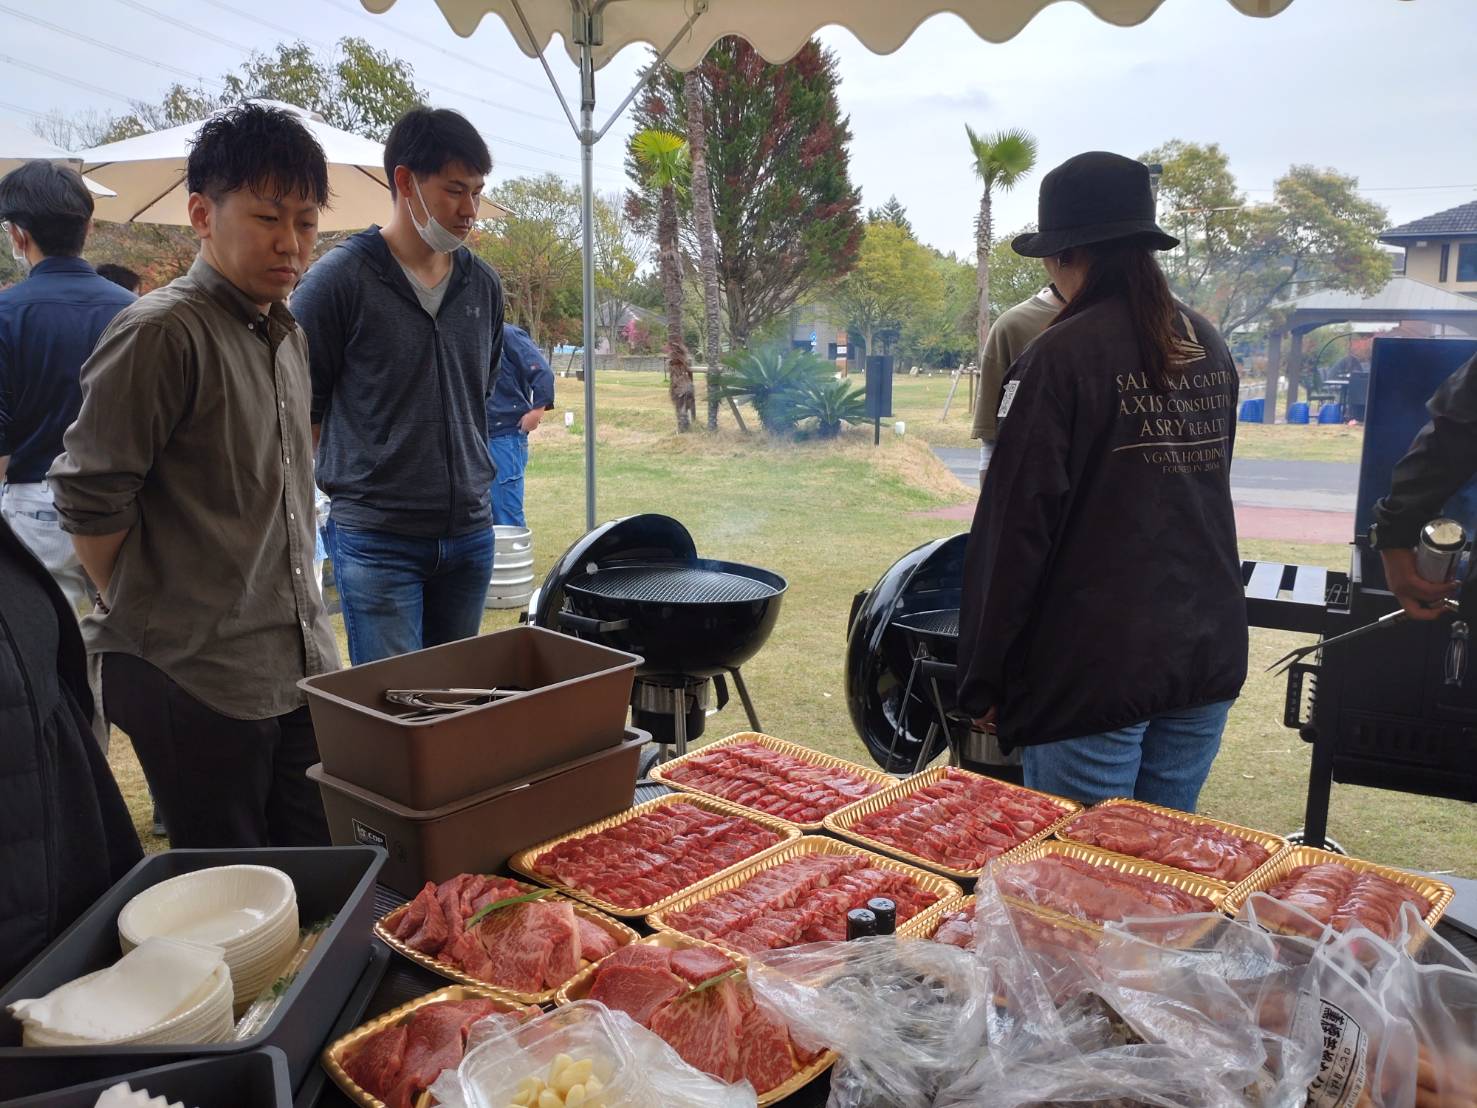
(1341, 1068)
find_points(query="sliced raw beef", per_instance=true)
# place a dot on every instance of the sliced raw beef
(375, 1065)
(595, 941)
(956, 929)
(496, 888)
(411, 919)
(703, 1028)
(764, 1046)
(962, 820)
(655, 854)
(533, 946)
(1341, 897)
(435, 928)
(1095, 892)
(640, 954)
(697, 964)
(636, 990)
(1170, 840)
(772, 782)
(467, 952)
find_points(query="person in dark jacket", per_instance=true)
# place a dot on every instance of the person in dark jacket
(405, 333)
(65, 834)
(524, 391)
(1440, 461)
(1103, 622)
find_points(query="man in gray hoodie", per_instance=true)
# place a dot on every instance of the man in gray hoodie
(405, 332)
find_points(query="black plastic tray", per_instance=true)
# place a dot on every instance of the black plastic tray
(338, 881)
(249, 1079)
(355, 1011)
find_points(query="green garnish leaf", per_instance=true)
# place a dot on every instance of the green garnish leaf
(710, 982)
(487, 909)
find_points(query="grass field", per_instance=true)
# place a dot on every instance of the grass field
(831, 517)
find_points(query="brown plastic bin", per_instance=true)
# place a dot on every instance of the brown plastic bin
(480, 833)
(575, 705)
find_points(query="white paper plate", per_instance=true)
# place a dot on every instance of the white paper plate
(226, 906)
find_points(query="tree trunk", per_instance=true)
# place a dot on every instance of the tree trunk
(679, 368)
(982, 273)
(702, 214)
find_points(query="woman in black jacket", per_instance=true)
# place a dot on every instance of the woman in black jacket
(65, 834)
(1103, 627)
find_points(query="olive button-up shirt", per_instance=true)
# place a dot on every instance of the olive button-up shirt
(194, 439)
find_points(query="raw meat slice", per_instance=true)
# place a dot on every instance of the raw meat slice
(697, 964)
(467, 952)
(703, 1027)
(518, 954)
(752, 774)
(956, 929)
(1096, 892)
(415, 915)
(1188, 845)
(434, 930)
(636, 990)
(375, 1066)
(496, 888)
(640, 954)
(595, 941)
(763, 1046)
(1342, 897)
(557, 920)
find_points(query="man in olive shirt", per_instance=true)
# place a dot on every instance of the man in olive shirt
(1009, 336)
(187, 486)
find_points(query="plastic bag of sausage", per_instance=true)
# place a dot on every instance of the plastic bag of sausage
(1397, 1020)
(580, 1056)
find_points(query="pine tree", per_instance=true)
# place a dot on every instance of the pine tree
(892, 212)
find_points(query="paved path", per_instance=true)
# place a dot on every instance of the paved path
(1291, 501)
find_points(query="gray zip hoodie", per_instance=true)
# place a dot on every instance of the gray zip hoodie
(401, 396)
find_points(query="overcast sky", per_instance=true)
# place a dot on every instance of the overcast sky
(1382, 89)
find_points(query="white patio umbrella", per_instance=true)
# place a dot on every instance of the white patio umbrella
(19, 146)
(596, 30)
(147, 175)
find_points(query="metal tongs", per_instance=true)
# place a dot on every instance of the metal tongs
(1284, 663)
(434, 703)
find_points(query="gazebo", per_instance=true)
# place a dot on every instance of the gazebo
(1403, 300)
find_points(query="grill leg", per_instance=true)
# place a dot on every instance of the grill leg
(1320, 786)
(679, 723)
(743, 691)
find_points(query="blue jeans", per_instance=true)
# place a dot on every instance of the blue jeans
(1164, 760)
(401, 594)
(510, 456)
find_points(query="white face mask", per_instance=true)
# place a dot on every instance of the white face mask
(16, 252)
(437, 237)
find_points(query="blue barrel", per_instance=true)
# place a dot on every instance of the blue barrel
(1297, 413)
(1331, 413)
(1253, 410)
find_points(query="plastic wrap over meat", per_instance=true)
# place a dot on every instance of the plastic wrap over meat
(900, 1013)
(631, 1067)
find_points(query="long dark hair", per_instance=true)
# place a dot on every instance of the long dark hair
(1129, 270)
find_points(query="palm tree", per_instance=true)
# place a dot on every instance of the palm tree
(1001, 161)
(663, 155)
(702, 218)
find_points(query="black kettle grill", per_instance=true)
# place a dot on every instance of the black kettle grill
(637, 584)
(901, 651)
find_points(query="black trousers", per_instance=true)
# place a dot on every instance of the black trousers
(219, 782)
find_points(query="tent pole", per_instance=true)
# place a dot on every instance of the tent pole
(587, 236)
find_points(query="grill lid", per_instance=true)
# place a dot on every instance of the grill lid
(672, 585)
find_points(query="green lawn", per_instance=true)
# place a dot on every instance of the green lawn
(831, 517)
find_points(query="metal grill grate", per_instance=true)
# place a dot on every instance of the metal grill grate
(944, 622)
(673, 585)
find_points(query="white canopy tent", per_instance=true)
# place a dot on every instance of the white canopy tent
(19, 146)
(147, 176)
(683, 30)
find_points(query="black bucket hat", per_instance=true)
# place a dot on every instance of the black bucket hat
(1094, 197)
